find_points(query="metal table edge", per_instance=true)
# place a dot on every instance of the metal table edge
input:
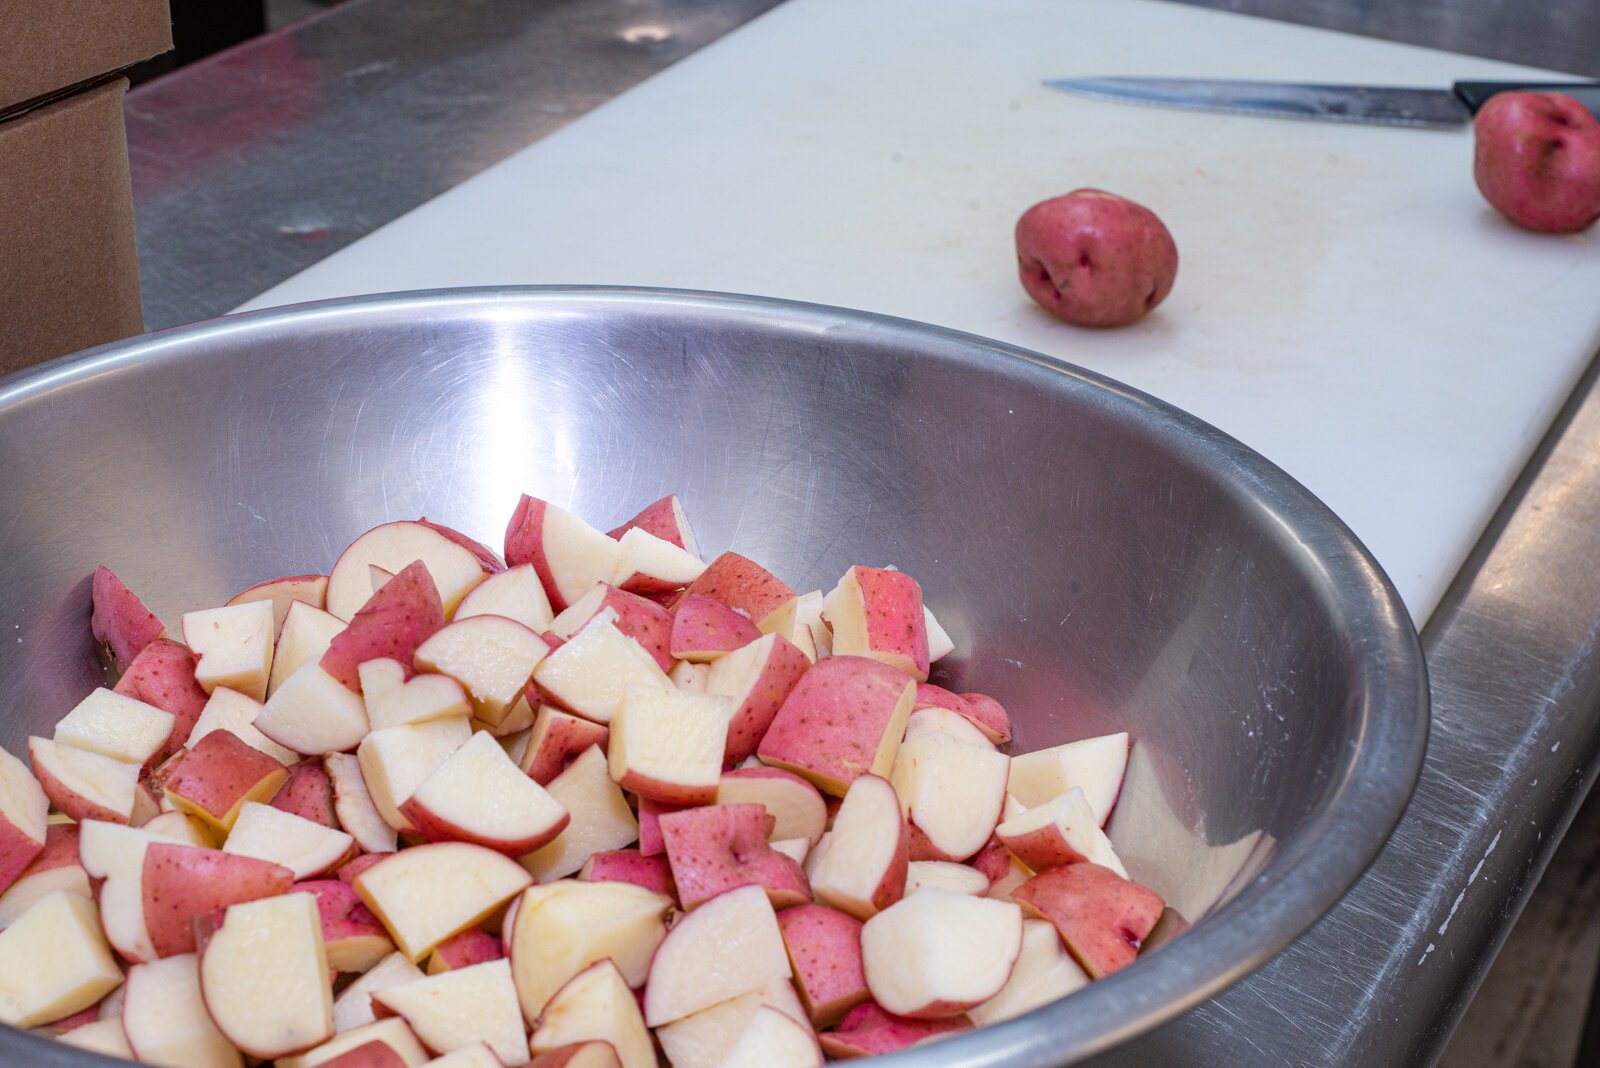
(1514, 679)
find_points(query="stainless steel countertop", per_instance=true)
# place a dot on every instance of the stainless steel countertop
(262, 161)
(256, 163)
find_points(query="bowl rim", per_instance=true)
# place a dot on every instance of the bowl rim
(1277, 905)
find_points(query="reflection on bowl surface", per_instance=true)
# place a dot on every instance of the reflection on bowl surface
(1101, 560)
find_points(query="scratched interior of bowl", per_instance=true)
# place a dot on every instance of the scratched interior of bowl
(1090, 579)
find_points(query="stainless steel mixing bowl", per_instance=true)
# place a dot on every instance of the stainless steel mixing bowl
(1102, 560)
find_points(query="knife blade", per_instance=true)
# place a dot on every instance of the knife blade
(1382, 104)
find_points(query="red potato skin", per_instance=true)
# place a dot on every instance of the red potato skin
(869, 1031)
(1092, 258)
(922, 847)
(559, 738)
(486, 556)
(1042, 848)
(156, 781)
(716, 848)
(660, 520)
(668, 599)
(145, 806)
(66, 800)
(656, 518)
(374, 1054)
(651, 842)
(741, 583)
(81, 1018)
(993, 860)
(1536, 160)
(504, 924)
(831, 726)
(163, 675)
(72, 806)
(283, 593)
(786, 666)
(980, 710)
(207, 925)
(351, 869)
(989, 716)
(825, 949)
(60, 850)
(405, 612)
(592, 1054)
(120, 619)
(642, 620)
(308, 793)
(434, 829)
(219, 771)
(18, 851)
(1102, 917)
(337, 900)
(525, 545)
(893, 885)
(743, 775)
(941, 1010)
(464, 949)
(656, 591)
(703, 628)
(664, 790)
(654, 872)
(181, 883)
(896, 626)
(341, 911)
(930, 695)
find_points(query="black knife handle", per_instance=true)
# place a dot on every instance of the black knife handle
(1475, 94)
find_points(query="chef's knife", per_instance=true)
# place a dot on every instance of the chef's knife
(1387, 105)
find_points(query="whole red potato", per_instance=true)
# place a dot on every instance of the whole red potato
(1095, 259)
(1536, 159)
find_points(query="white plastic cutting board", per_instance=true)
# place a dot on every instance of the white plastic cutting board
(1346, 303)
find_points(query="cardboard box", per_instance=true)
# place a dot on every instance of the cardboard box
(69, 266)
(54, 45)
